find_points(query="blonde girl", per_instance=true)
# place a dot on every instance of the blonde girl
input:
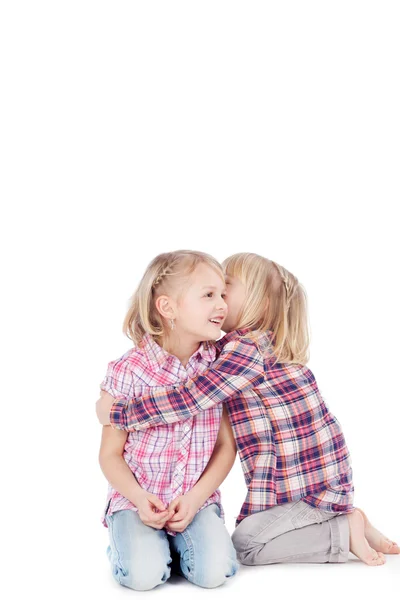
(297, 468)
(163, 507)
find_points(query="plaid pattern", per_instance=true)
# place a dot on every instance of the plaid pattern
(291, 447)
(166, 461)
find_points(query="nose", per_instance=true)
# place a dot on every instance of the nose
(222, 305)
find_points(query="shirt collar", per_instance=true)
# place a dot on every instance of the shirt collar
(264, 339)
(156, 356)
(206, 351)
(234, 335)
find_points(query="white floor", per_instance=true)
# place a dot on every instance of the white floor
(352, 579)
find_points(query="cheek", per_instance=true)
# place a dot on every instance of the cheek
(231, 302)
(186, 315)
(241, 299)
(231, 310)
(198, 312)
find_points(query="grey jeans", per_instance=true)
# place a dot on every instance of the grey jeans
(292, 532)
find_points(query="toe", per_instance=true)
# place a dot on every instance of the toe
(381, 558)
(376, 559)
(393, 548)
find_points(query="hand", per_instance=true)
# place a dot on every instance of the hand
(152, 511)
(184, 509)
(103, 407)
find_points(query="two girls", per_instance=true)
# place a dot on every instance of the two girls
(299, 505)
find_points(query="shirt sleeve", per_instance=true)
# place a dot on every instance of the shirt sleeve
(239, 367)
(118, 382)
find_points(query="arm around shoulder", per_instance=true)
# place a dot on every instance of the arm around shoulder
(239, 367)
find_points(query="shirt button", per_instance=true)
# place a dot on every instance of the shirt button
(186, 428)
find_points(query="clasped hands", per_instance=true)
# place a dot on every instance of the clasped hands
(175, 517)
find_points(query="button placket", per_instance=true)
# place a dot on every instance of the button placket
(181, 463)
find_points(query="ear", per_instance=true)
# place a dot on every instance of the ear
(165, 307)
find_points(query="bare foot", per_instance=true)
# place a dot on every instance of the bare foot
(376, 539)
(358, 543)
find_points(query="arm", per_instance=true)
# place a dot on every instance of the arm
(217, 469)
(240, 367)
(123, 480)
(113, 465)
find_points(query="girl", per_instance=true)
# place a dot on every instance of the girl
(299, 505)
(163, 500)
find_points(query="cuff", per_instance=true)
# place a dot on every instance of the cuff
(118, 416)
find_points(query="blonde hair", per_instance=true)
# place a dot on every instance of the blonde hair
(275, 301)
(162, 276)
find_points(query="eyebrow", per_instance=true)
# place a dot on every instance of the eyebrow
(211, 287)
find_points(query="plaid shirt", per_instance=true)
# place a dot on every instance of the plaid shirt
(168, 460)
(291, 447)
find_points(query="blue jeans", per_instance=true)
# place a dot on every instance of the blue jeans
(140, 556)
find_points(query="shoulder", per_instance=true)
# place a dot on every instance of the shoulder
(121, 372)
(127, 361)
(239, 343)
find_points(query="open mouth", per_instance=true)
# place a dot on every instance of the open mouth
(217, 322)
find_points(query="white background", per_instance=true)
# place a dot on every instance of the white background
(132, 128)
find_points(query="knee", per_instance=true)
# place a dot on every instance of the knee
(239, 541)
(246, 551)
(216, 574)
(235, 540)
(140, 580)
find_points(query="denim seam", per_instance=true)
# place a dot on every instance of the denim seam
(189, 543)
(115, 549)
(335, 541)
(337, 550)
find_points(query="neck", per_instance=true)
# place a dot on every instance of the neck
(181, 347)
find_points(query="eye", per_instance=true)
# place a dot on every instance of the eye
(223, 295)
(209, 294)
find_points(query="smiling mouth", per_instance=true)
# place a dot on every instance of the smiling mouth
(216, 321)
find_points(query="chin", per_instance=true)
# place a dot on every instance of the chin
(214, 336)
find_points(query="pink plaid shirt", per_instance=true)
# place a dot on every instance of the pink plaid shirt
(167, 461)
